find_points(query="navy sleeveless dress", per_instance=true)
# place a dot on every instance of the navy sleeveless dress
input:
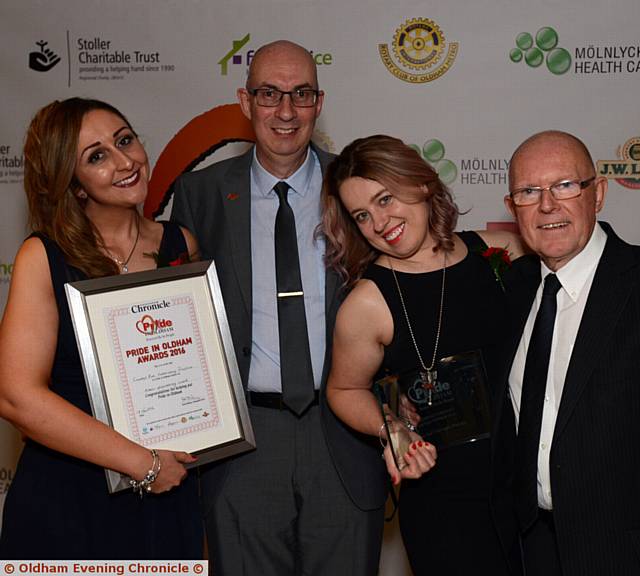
(444, 516)
(58, 507)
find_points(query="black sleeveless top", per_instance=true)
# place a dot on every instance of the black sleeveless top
(473, 318)
(58, 507)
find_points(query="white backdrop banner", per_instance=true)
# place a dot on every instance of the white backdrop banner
(464, 82)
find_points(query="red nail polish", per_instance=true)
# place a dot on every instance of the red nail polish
(413, 446)
(420, 444)
(408, 454)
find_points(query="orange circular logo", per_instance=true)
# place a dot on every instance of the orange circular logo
(198, 139)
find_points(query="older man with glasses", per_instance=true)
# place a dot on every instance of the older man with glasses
(567, 430)
(297, 504)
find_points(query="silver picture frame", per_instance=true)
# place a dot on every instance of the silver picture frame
(159, 362)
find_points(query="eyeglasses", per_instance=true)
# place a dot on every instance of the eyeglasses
(564, 190)
(271, 97)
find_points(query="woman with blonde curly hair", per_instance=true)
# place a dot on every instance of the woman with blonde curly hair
(419, 292)
(86, 172)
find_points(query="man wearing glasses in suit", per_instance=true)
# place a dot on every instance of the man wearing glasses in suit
(297, 504)
(573, 360)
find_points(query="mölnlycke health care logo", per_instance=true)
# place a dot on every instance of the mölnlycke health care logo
(420, 52)
(433, 152)
(543, 47)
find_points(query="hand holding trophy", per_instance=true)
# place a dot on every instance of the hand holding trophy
(407, 455)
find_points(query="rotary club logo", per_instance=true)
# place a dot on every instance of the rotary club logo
(420, 50)
(626, 170)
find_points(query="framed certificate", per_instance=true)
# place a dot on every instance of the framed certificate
(159, 363)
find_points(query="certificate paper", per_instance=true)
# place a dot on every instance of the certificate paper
(162, 370)
(159, 363)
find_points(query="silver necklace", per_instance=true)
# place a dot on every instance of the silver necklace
(124, 264)
(428, 374)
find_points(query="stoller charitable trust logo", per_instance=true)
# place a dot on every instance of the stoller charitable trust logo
(626, 170)
(43, 59)
(420, 51)
(541, 48)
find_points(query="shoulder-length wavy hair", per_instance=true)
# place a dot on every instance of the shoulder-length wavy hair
(398, 167)
(50, 156)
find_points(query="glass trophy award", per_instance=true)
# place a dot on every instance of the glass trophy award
(453, 405)
(397, 434)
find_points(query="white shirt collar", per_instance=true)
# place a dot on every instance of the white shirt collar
(574, 274)
(298, 181)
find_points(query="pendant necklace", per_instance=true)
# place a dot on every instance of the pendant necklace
(124, 264)
(428, 374)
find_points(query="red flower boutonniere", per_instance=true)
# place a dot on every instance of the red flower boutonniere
(233, 196)
(498, 259)
(164, 262)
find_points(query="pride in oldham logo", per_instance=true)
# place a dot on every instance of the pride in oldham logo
(546, 49)
(44, 59)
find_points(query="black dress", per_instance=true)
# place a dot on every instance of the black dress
(58, 507)
(444, 516)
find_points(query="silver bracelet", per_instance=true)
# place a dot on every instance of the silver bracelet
(144, 485)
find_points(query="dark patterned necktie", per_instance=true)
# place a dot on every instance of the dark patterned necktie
(295, 358)
(534, 384)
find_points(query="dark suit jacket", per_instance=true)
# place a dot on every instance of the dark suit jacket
(595, 455)
(214, 204)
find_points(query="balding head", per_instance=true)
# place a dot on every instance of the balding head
(280, 50)
(556, 229)
(550, 142)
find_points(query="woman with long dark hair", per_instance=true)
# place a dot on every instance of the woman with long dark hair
(86, 173)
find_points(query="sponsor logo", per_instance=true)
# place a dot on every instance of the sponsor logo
(6, 269)
(99, 58)
(244, 59)
(626, 169)
(591, 59)
(234, 56)
(44, 59)
(11, 165)
(612, 59)
(420, 52)
(541, 48)
(433, 152)
(484, 171)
